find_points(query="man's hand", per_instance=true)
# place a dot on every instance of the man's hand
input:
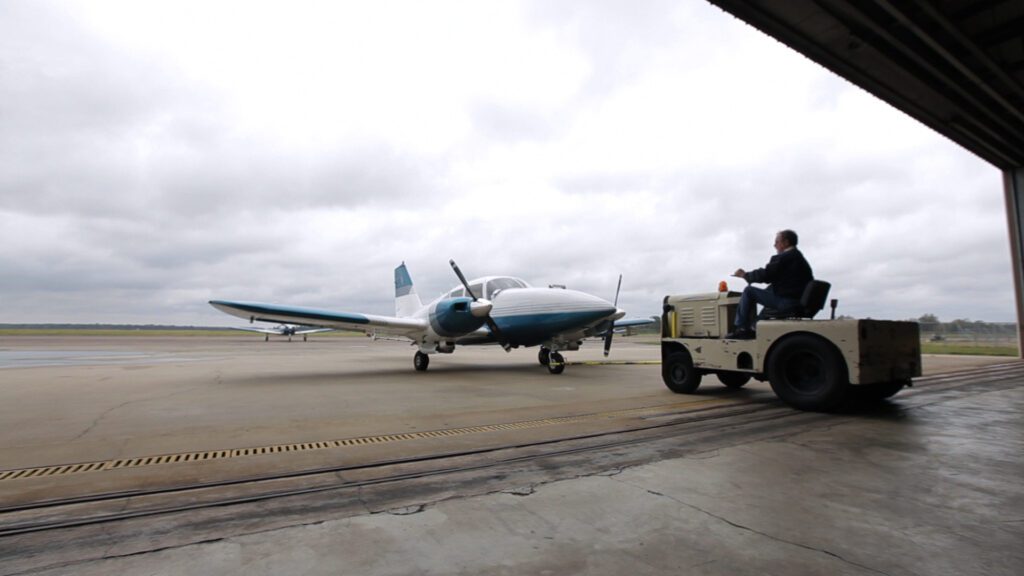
(740, 273)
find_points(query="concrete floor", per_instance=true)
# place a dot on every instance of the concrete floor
(928, 483)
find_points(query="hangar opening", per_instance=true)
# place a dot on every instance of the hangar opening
(955, 65)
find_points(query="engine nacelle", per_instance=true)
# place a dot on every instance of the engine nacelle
(456, 316)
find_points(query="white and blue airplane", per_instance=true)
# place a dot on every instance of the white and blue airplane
(288, 330)
(490, 310)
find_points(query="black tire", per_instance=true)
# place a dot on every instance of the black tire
(733, 379)
(807, 373)
(556, 363)
(878, 391)
(679, 374)
(544, 356)
(420, 361)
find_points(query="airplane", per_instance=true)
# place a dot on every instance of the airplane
(501, 310)
(288, 330)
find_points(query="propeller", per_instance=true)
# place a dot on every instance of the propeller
(611, 327)
(486, 308)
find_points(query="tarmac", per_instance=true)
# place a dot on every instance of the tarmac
(494, 466)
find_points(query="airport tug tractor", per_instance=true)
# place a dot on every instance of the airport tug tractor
(811, 364)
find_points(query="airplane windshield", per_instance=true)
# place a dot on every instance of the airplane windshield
(498, 284)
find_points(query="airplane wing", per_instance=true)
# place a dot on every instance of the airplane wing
(313, 331)
(281, 332)
(254, 329)
(627, 322)
(368, 323)
(622, 326)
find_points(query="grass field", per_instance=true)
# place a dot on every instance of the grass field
(981, 349)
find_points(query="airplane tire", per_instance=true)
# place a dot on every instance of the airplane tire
(544, 356)
(556, 363)
(734, 380)
(808, 373)
(420, 361)
(679, 373)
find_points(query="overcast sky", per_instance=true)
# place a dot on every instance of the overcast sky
(155, 155)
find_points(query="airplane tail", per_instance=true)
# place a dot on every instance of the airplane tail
(407, 302)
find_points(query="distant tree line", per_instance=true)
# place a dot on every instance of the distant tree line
(930, 323)
(104, 327)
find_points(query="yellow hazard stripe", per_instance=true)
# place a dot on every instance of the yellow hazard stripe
(188, 457)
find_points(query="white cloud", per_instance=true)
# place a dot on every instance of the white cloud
(156, 155)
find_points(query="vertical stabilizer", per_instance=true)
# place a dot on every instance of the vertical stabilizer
(406, 300)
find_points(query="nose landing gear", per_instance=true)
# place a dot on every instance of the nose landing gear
(553, 360)
(556, 363)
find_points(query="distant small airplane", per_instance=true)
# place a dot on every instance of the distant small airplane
(288, 330)
(490, 310)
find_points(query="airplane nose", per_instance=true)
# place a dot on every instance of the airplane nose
(595, 304)
(603, 304)
(481, 308)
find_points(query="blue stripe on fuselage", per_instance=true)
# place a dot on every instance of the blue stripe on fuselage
(533, 329)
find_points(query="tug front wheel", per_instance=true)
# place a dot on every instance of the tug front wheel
(679, 374)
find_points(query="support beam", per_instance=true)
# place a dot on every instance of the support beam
(1013, 183)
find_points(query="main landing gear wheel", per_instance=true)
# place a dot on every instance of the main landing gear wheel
(420, 361)
(679, 374)
(556, 364)
(544, 356)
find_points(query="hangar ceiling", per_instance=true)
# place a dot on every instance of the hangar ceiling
(955, 65)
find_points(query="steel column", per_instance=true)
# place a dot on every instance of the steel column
(1013, 183)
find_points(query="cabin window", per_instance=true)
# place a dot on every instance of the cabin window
(498, 284)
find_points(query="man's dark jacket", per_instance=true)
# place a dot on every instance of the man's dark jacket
(788, 273)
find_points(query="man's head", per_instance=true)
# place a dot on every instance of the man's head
(785, 239)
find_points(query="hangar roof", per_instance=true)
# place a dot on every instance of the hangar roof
(956, 65)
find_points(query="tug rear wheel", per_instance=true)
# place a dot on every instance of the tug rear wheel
(808, 373)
